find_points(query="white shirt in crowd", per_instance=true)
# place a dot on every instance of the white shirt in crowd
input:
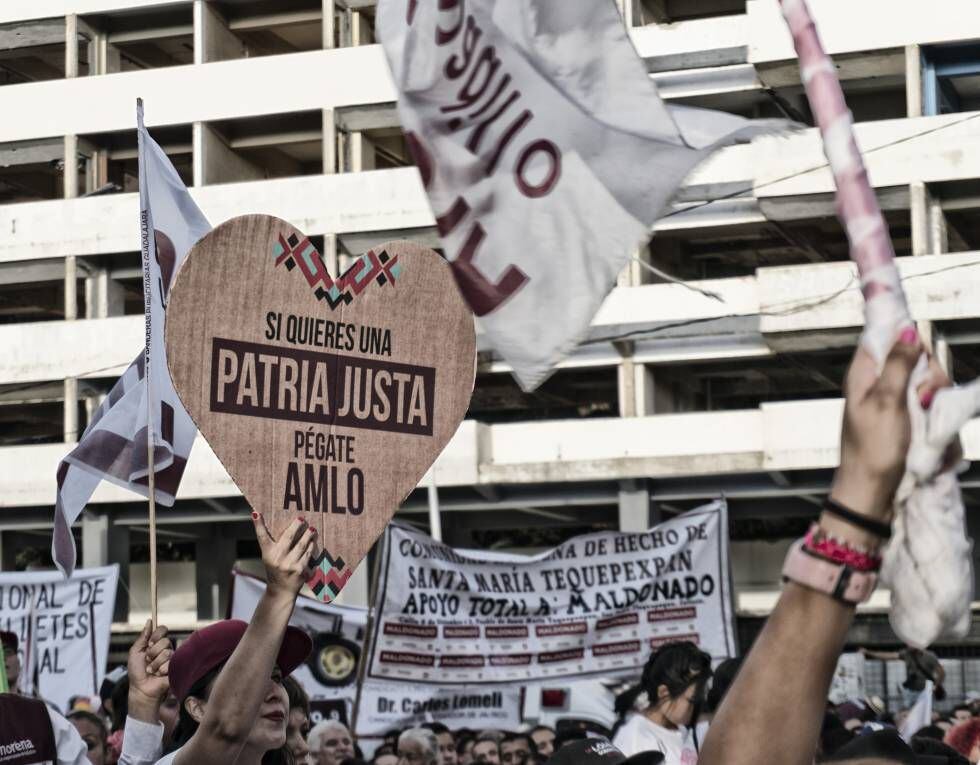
(641, 735)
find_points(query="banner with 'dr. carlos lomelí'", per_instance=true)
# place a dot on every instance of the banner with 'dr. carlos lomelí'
(596, 605)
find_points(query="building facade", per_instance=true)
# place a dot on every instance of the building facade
(676, 396)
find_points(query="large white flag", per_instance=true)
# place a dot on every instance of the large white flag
(546, 152)
(114, 445)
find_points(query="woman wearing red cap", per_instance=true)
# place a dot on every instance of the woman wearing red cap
(228, 676)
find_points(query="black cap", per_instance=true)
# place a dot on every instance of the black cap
(598, 751)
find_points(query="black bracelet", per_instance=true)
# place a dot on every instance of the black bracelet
(878, 528)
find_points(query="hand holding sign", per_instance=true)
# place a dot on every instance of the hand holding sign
(325, 398)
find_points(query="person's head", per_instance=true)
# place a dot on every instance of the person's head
(544, 739)
(961, 713)
(930, 731)
(674, 679)
(385, 755)
(298, 721)
(11, 659)
(330, 743)
(516, 749)
(447, 743)
(196, 665)
(169, 715)
(464, 748)
(418, 746)
(485, 749)
(884, 747)
(965, 739)
(721, 681)
(92, 730)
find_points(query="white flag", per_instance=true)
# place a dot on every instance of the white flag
(546, 152)
(114, 445)
(920, 715)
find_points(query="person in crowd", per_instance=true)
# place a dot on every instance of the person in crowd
(120, 712)
(485, 749)
(11, 660)
(920, 666)
(228, 676)
(774, 709)
(298, 722)
(544, 740)
(930, 731)
(93, 732)
(960, 714)
(447, 743)
(54, 739)
(669, 696)
(418, 746)
(721, 680)
(385, 755)
(330, 743)
(928, 750)
(464, 747)
(517, 749)
(965, 739)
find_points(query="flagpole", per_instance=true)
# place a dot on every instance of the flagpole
(147, 309)
(369, 628)
(153, 504)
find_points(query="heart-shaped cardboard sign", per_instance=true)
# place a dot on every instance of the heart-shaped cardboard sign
(325, 399)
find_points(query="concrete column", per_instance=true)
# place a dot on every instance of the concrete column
(329, 26)
(104, 543)
(215, 555)
(329, 142)
(913, 80)
(70, 431)
(634, 507)
(104, 296)
(71, 46)
(70, 175)
(330, 254)
(214, 161)
(213, 40)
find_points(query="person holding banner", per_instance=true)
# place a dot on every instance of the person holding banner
(228, 676)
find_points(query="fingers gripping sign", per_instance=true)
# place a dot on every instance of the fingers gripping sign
(286, 559)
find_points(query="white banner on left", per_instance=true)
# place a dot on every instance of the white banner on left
(63, 629)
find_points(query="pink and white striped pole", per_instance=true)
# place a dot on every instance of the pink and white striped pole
(886, 312)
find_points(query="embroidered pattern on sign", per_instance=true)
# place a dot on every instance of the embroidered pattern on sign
(329, 577)
(380, 267)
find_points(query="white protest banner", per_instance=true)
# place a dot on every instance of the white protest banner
(63, 628)
(595, 605)
(546, 152)
(329, 676)
(390, 706)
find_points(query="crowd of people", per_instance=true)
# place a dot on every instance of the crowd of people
(225, 695)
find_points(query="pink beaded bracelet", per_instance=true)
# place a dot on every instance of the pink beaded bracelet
(818, 542)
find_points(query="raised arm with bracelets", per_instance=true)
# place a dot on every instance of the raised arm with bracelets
(793, 660)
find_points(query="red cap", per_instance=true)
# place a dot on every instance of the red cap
(206, 648)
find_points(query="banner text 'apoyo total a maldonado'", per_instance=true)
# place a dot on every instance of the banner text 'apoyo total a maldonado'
(595, 605)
